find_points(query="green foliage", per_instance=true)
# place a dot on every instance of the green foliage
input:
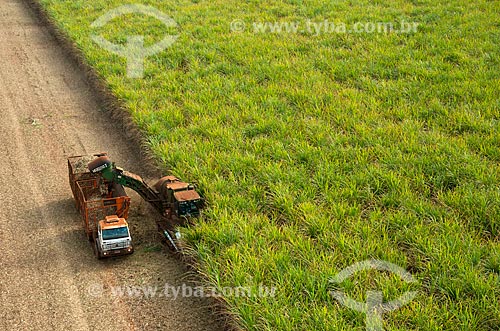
(316, 152)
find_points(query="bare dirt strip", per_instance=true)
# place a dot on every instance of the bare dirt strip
(49, 278)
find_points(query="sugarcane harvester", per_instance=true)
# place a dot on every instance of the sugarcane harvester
(175, 201)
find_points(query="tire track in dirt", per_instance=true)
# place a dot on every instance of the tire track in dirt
(47, 267)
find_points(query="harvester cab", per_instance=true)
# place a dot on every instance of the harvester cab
(186, 201)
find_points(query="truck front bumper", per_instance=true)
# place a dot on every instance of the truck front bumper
(117, 252)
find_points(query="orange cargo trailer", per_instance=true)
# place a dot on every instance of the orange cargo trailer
(100, 201)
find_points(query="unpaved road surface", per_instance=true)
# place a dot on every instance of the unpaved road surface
(49, 278)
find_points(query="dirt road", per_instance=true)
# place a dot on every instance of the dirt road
(49, 278)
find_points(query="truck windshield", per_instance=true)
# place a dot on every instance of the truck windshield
(115, 233)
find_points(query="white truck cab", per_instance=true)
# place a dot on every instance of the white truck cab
(113, 237)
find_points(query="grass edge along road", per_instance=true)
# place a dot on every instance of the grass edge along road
(319, 151)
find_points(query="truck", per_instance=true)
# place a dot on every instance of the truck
(104, 207)
(101, 198)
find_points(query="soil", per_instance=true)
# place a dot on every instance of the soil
(49, 277)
